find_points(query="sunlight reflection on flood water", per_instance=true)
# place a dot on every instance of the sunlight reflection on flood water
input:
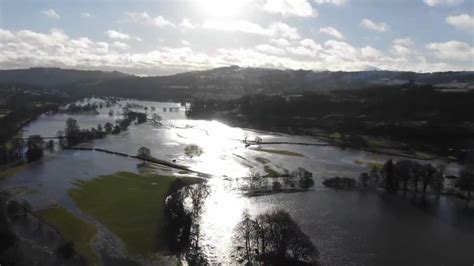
(336, 221)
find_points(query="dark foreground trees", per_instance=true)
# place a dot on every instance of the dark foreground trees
(466, 182)
(35, 148)
(272, 239)
(402, 173)
(182, 211)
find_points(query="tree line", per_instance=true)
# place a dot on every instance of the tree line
(272, 238)
(407, 175)
(33, 148)
(422, 115)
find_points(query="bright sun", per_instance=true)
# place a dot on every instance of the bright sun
(222, 8)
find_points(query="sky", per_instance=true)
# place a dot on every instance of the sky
(161, 37)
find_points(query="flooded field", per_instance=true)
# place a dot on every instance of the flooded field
(347, 227)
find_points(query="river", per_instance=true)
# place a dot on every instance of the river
(347, 227)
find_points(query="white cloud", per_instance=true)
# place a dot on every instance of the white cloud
(28, 49)
(335, 2)
(120, 45)
(50, 13)
(280, 42)
(368, 52)
(85, 15)
(112, 34)
(462, 22)
(269, 49)
(186, 24)
(340, 50)
(332, 31)
(452, 50)
(301, 51)
(275, 29)
(306, 47)
(443, 2)
(372, 25)
(298, 8)
(284, 30)
(184, 42)
(236, 26)
(403, 47)
(311, 44)
(144, 18)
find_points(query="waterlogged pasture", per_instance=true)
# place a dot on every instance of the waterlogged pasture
(347, 227)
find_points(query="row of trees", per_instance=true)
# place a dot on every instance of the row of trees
(272, 239)
(12, 151)
(74, 135)
(404, 173)
(183, 208)
(466, 182)
(82, 109)
(410, 175)
(34, 146)
(299, 177)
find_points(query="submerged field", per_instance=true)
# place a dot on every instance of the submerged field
(130, 205)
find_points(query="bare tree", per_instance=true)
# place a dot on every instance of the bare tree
(143, 153)
(272, 238)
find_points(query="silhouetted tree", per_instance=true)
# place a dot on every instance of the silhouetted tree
(143, 153)
(66, 250)
(390, 178)
(405, 171)
(276, 186)
(271, 239)
(428, 177)
(466, 182)
(35, 148)
(305, 178)
(182, 226)
(72, 132)
(364, 179)
(244, 238)
(108, 127)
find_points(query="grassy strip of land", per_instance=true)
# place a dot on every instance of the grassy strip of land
(130, 205)
(72, 229)
(12, 171)
(262, 160)
(282, 152)
(371, 165)
(271, 172)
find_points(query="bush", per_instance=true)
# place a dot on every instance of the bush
(340, 183)
(276, 186)
(66, 251)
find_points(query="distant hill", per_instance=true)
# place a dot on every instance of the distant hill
(55, 76)
(225, 82)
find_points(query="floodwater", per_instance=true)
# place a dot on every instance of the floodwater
(347, 227)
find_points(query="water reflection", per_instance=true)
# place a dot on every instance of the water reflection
(349, 228)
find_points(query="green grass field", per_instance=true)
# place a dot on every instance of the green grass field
(370, 165)
(262, 160)
(12, 171)
(282, 152)
(72, 229)
(130, 205)
(270, 172)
